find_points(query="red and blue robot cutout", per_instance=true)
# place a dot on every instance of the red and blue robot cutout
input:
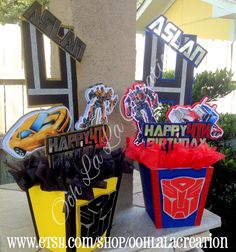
(140, 104)
(201, 112)
(101, 101)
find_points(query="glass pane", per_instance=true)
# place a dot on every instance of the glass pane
(169, 63)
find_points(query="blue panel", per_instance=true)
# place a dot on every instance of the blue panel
(167, 221)
(147, 190)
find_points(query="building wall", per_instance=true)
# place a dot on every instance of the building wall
(108, 29)
(195, 17)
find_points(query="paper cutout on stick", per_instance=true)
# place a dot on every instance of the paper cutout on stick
(29, 133)
(67, 150)
(140, 103)
(172, 36)
(41, 90)
(101, 101)
(50, 25)
(198, 112)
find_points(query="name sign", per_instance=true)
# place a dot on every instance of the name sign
(50, 25)
(173, 35)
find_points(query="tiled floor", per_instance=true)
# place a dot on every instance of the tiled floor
(14, 218)
(137, 190)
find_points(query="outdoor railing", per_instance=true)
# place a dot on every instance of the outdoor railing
(13, 102)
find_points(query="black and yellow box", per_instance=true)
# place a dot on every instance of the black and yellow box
(64, 223)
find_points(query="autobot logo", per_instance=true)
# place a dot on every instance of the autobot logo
(181, 196)
(96, 216)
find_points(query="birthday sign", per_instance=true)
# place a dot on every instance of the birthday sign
(72, 145)
(190, 134)
(173, 36)
(191, 125)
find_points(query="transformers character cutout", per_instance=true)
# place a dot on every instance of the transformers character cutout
(28, 134)
(101, 101)
(199, 112)
(140, 103)
(181, 196)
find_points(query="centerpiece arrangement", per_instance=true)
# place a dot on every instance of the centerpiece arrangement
(66, 165)
(174, 157)
(71, 177)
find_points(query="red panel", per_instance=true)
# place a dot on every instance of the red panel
(205, 189)
(156, 198)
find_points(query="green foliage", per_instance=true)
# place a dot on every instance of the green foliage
(213, 84)
(11, 10)
(228, 124)
(170, 74)
(222, 195)
(161, 111)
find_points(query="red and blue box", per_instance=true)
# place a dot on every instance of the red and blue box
(175, 197)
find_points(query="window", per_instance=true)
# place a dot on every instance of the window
(25, 134)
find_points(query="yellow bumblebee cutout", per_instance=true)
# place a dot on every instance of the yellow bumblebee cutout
(101, 101)
(29, 133)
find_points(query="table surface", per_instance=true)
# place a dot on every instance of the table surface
(135, 222)
(15, 220)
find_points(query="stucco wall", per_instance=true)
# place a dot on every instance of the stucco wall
(195, 17)
(108, 29)
(192, 16)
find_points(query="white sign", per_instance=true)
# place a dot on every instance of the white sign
(173, 36)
